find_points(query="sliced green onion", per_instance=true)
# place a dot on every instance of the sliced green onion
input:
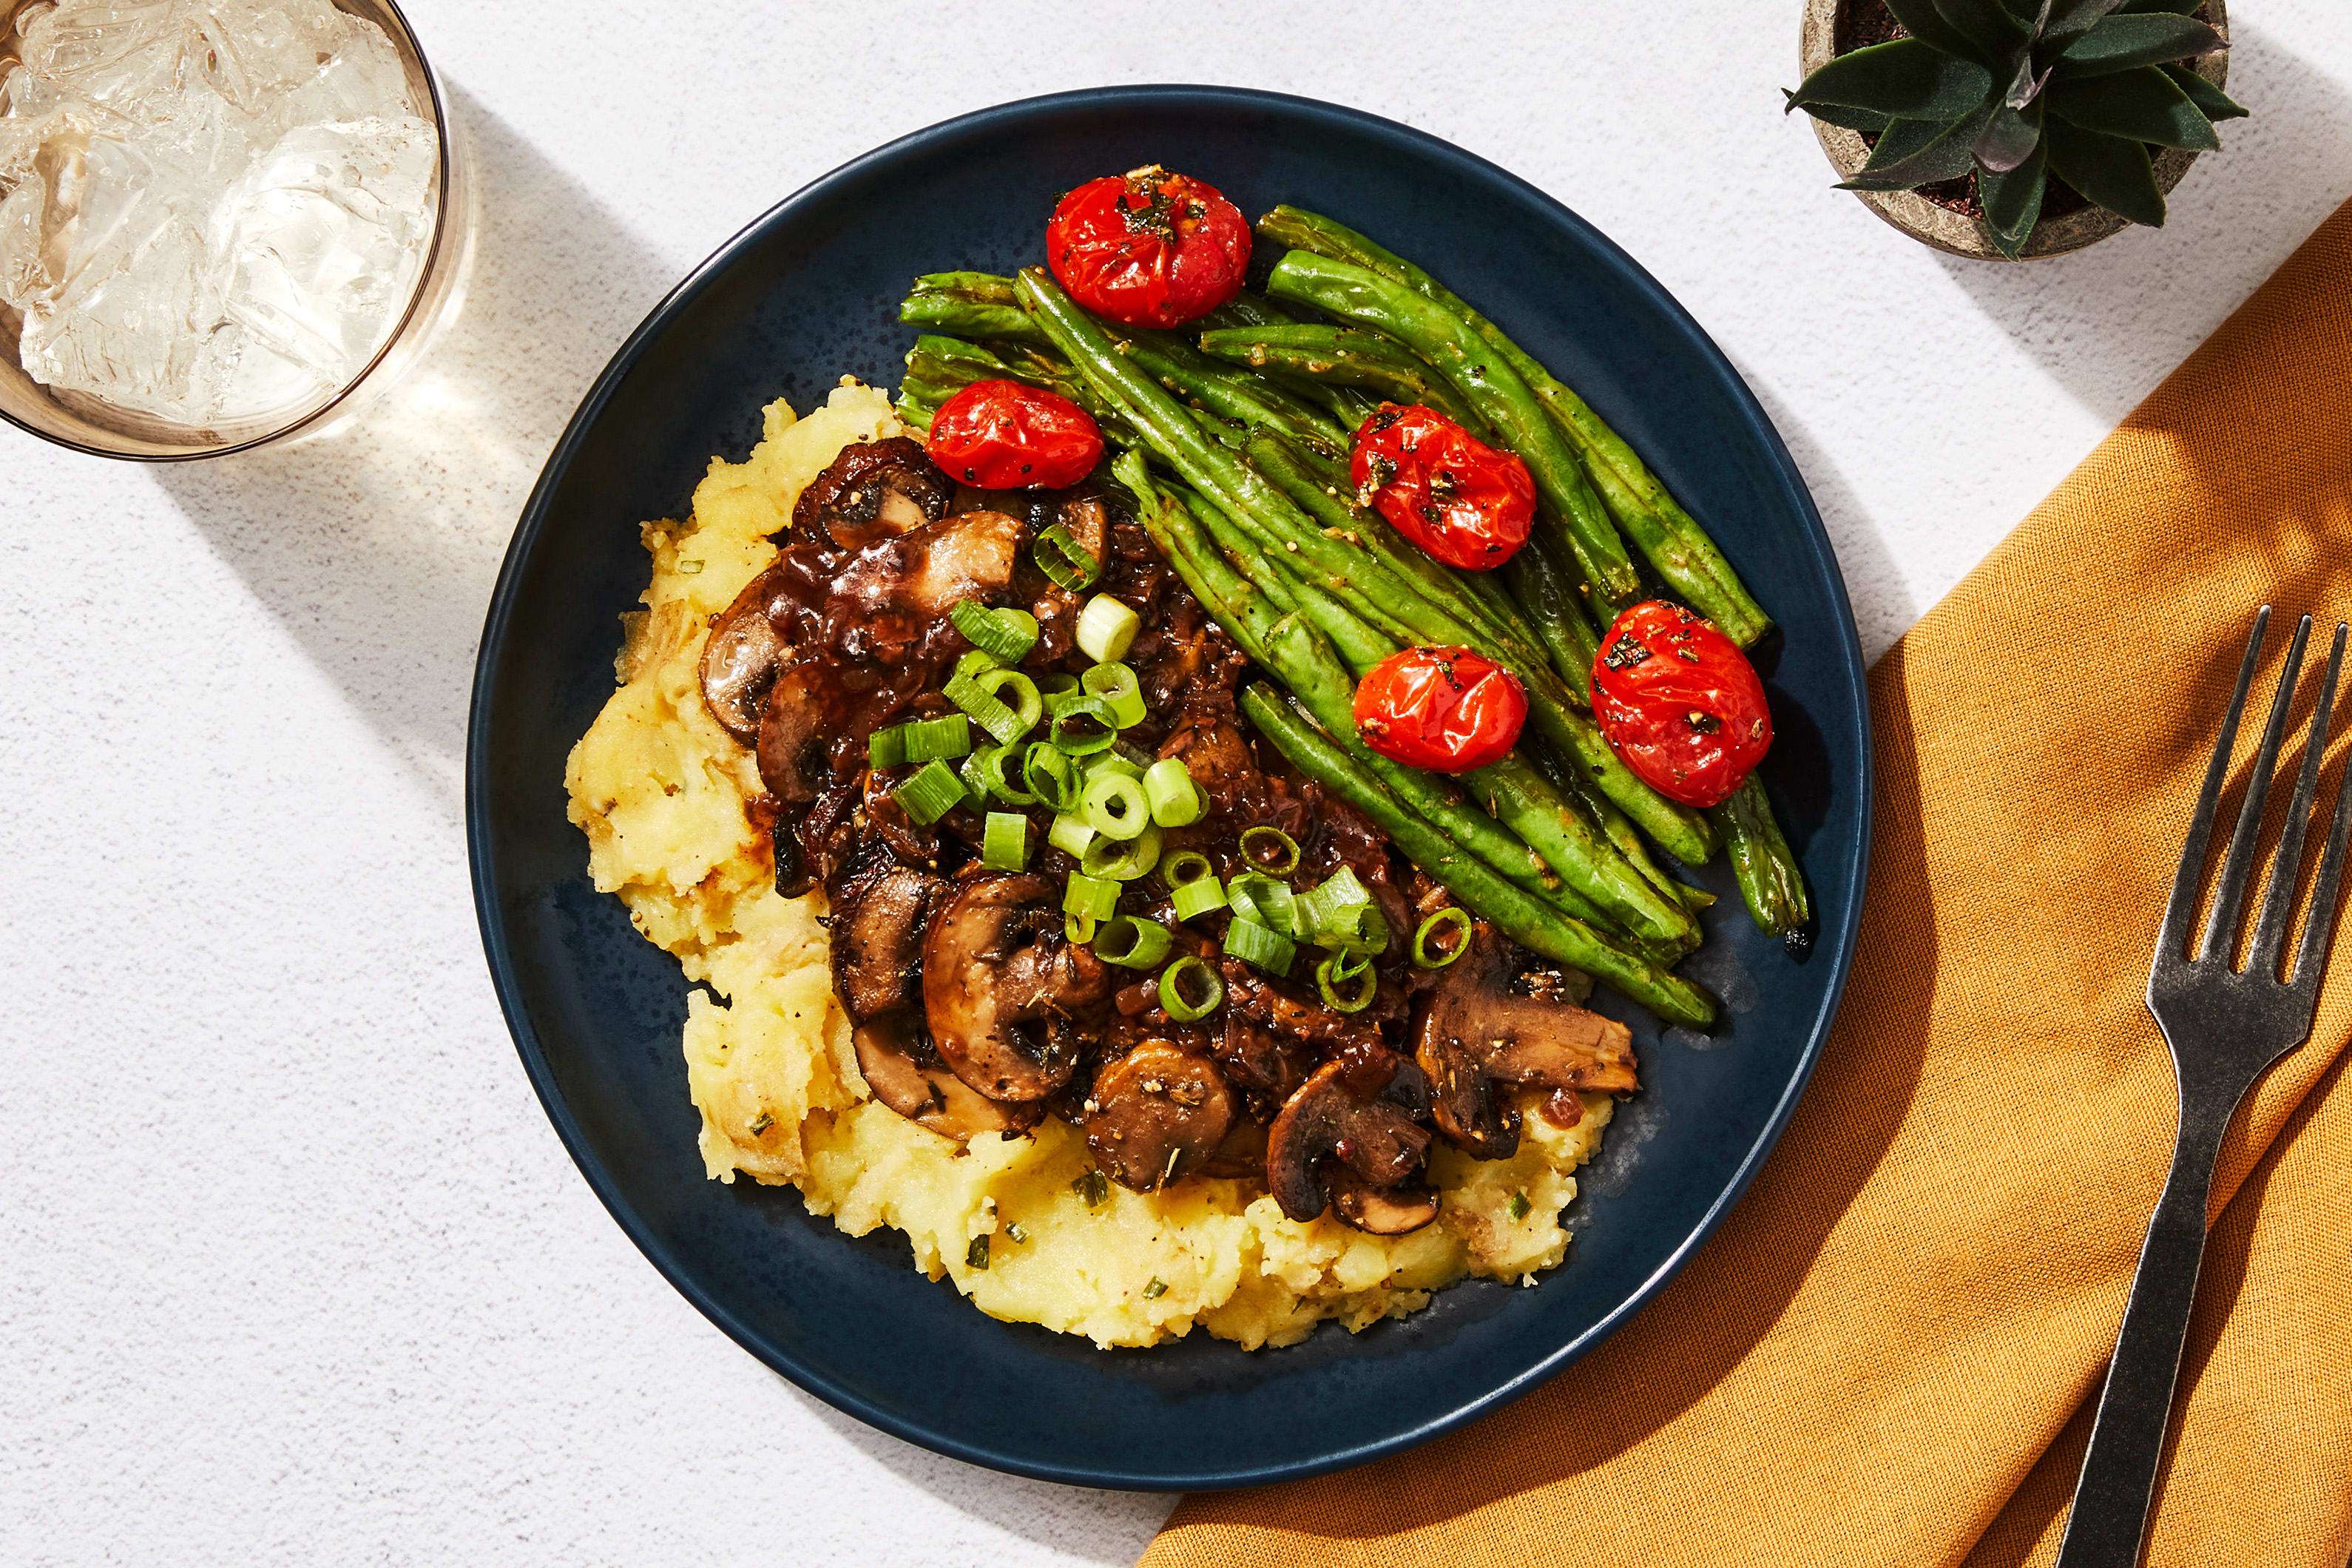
(974, 663)
(1453, 916)
(1005, 636)
(1200, 897)
(1131, 942)
(974, 771)
(1255, 896)
(1270, 849)
(1177, 978)
(1091, 897)
(1106, 857)
(1107, 628)
(1083, 726)
(1051, 776)
(1185, 867)
(1079, 928)
(1117, 685)
(1176, 800)
(1070, 835)
(1058, 690)
(984, 695)
(887, 748)
(929, 793)
(1258, 947)
(1114, 805)
(1069, 563)
(1341, 914)
(992, 766)
(1346, 990)
(1005, 842)
(939, 740)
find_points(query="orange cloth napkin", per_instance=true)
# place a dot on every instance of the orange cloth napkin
(1887, 1355)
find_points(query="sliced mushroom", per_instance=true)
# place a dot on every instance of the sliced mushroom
(896, 1058)
(1374, 1139)
(1002, 986)
(739, 662)
(1475, 1037)
(872, 490)
(1381, 1211)
(1157, 1112)
(877, 937)
(792, 748)
(1087, 522)
(893, 592)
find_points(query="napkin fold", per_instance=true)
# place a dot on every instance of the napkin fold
(1888, 1353)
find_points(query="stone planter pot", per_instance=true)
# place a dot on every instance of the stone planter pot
(1945, 230)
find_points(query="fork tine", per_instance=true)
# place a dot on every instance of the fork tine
(2319, 926)
(2182, 907)
(2230, 895)
(2278, 904)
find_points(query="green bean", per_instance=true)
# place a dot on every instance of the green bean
(1246, 309)
(1523, 919)
(967, 312)
(1249, 401)
(1770, 879)
(1670, 536)
(1345, 571)
(1489, 384)
(1345, 356)
(1541, 588)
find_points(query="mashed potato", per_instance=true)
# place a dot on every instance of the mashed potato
(659, 788)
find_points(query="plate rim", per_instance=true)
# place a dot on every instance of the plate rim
(1839, 940)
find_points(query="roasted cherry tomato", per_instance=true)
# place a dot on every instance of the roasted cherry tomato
(1444, 709)
(1148, 248)
(1446, 491)
(1003, 435)
(1679, 701)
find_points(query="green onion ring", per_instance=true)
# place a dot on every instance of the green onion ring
(1211, 987)
(1452, 915)
(1287, 850)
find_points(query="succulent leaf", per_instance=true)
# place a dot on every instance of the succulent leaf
(2113, 171)
(1869, 121)
(1907, 80)
(2143, 104)
(1986, 24)
(2070, 19)
(1922, 21)
(2120, 43)
(2210, 100)
(2009, 138)
(2012, 202)
(1926, 152)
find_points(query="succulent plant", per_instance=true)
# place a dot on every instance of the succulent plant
(2021, 91)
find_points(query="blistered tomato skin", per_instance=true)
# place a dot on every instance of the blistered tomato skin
(1464, 502)
(1680, 703)
(1443, 709)
(1004, 436)
(1148, 248)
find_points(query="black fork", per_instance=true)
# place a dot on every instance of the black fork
(2225, 1028)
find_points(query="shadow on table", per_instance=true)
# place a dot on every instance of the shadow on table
(1109, 1528)
(376, 547)
(2109, 322)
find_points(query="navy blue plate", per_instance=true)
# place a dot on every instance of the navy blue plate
(808, 293)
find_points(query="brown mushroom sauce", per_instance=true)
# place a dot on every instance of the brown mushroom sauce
(973, 1011)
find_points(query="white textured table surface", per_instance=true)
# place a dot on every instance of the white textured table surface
(291, 1266)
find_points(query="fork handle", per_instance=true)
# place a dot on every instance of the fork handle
(2111, 1499)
